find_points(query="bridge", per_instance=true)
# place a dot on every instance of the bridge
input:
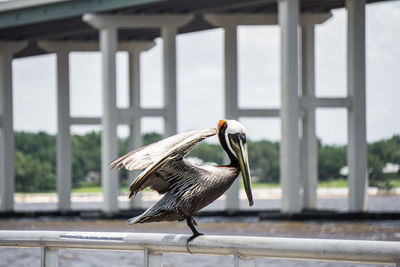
(29, 28)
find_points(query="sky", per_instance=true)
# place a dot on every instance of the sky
(200, 80)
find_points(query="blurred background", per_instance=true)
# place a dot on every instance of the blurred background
(200, 83)
(200, 104)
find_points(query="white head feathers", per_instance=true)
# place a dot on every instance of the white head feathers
(234, 127)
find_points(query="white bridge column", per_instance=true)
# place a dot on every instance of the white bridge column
(168, 25)
(229, 23)
(168, 33)
(309, 158)
(109, 140)
(108, 25)
(62, 49)
(64, 163)
(357, 144)
(135, 138)
(231, 100)
(309, 149)
(288, 11)
(63, 148)
(7, 173)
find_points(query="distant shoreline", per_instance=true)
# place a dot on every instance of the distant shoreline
(259, 193)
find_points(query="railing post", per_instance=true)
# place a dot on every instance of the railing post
(48, 257)
(152, 259)
(241, 262)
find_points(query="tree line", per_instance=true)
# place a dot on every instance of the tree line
(35, 159)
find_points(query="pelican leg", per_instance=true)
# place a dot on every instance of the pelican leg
(191, 222)
(194, 222)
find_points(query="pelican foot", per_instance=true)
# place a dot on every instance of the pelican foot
(194, 236)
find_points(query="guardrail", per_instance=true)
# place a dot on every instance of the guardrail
(244, 248)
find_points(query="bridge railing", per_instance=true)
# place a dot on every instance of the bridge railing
(243, 248)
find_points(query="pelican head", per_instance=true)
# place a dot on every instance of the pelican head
(232, 137)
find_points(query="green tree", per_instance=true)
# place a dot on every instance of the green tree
(375, 167)
(330, 160)
(35, 158)
(34, 162)
(150, 138)
(392, 151)
(264, 160)
(86, 154)
(32, 175)
(380, 153)
(208, 153)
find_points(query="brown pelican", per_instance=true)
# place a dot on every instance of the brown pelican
(187, 187)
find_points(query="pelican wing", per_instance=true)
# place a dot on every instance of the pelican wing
(151, 177)
(166, 154)
(143, 157)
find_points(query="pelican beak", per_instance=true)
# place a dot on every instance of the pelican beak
(238, 144)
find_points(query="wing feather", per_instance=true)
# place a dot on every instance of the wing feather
(142, 157)
(158, 157)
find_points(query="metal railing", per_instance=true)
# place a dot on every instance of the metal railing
(244, 248)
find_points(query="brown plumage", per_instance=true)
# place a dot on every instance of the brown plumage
(187, 187)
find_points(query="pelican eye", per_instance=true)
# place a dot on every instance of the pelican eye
(243, 137)
(235, 139)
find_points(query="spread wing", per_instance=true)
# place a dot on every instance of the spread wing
(159, 159)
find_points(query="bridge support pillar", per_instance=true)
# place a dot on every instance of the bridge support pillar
(288, 12)
(64, 162)
(7, 173)
(168, 34)
(109, 140)
(135, 138)
(108, 26)
(309, 149)
(356, 118)
(231, 100)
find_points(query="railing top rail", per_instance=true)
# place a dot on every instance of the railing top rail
(361, 251)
